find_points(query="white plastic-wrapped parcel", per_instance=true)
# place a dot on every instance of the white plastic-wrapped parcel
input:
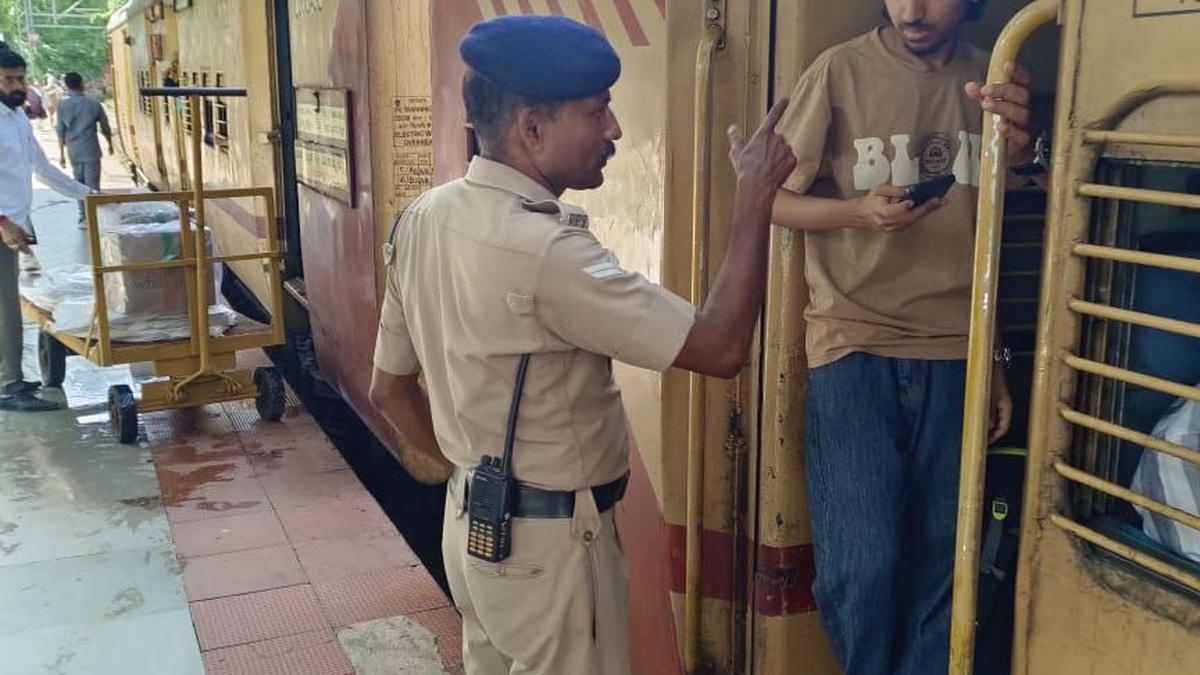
(136, 213)
(146, 291)
(1170, 480)
(66, 292)
(144, 305)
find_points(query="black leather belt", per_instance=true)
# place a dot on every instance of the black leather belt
(532, 502)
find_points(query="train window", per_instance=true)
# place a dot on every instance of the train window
(188, 80)
(168, 104)
(206, 107)
(221, 110)
(1138, 355)
(147, 104)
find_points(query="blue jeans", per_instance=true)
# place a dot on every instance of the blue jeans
(882, 453)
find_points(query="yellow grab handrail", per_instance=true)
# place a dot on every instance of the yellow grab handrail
(1166, 262)
(1112, 489)
(1143, 319)
(1131, 377)
(1145, 440)
(1180, 199)
(200, 317)
(701, 207)
(990, 219)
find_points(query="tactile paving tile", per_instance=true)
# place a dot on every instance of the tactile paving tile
(446, 626)
(242, 415)
(314, 456)
(333, 518)
(288, 432)
(208, 420)
(316, 653)
(341, 557)
(216, 500)
(226, 535)
(254, 617)
(174, 477)
(293, 490)
(228, 574)
(196, 449)
(379, 595)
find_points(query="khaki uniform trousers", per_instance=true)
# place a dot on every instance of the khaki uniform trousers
(556, 606)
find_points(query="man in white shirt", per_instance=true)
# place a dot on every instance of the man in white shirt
(20, 158)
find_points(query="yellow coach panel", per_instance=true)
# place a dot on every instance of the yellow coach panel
(401, 112)
(224, 43)
(1129, 67)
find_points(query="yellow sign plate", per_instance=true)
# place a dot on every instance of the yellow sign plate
(1142, 8)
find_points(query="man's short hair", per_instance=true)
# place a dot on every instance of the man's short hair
(73, 81)
(975, 9)
(11, 59)
(490, 108)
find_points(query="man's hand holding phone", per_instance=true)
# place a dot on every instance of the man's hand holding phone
(888, 208)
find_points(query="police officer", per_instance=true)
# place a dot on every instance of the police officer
(492, 266)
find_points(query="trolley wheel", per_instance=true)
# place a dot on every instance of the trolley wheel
(271, 397)
(122, 413)
(52, 360)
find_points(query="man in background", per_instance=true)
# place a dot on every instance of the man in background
(79, 119)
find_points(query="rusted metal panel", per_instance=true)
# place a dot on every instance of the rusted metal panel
(329, 50)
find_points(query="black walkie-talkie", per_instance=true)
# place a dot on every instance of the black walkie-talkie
(490, 500)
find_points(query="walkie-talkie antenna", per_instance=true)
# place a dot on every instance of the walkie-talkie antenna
(510, 433)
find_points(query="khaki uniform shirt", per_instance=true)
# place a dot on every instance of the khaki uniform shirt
(491, 266)
(862, 116)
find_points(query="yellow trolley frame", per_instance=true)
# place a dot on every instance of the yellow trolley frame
(202, 368)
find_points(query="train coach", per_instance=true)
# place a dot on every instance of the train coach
(354, 108)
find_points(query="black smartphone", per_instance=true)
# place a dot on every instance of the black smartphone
(926, 190)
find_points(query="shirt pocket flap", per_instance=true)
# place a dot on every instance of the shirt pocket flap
(520, 304)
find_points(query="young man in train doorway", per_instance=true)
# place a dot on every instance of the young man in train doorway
(890, 285)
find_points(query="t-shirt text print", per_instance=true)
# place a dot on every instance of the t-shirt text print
(899, 161)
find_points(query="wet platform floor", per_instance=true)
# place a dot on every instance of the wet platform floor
(218, 544)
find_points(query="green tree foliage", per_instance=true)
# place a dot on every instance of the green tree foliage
(77, 43)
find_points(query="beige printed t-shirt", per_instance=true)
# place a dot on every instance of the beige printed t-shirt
(862, 116)
(491, 266)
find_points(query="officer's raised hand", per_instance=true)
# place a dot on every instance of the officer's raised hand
(765, 161)
(719, 341)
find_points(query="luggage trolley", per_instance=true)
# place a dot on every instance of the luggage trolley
(200, 369)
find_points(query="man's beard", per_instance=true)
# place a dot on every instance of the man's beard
(925, 51)
(14, 99)
(922, 51)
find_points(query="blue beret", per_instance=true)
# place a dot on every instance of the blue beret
(546, 58)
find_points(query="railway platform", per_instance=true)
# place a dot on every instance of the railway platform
(219, 544)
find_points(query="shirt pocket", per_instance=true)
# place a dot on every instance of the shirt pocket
(521, 304)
